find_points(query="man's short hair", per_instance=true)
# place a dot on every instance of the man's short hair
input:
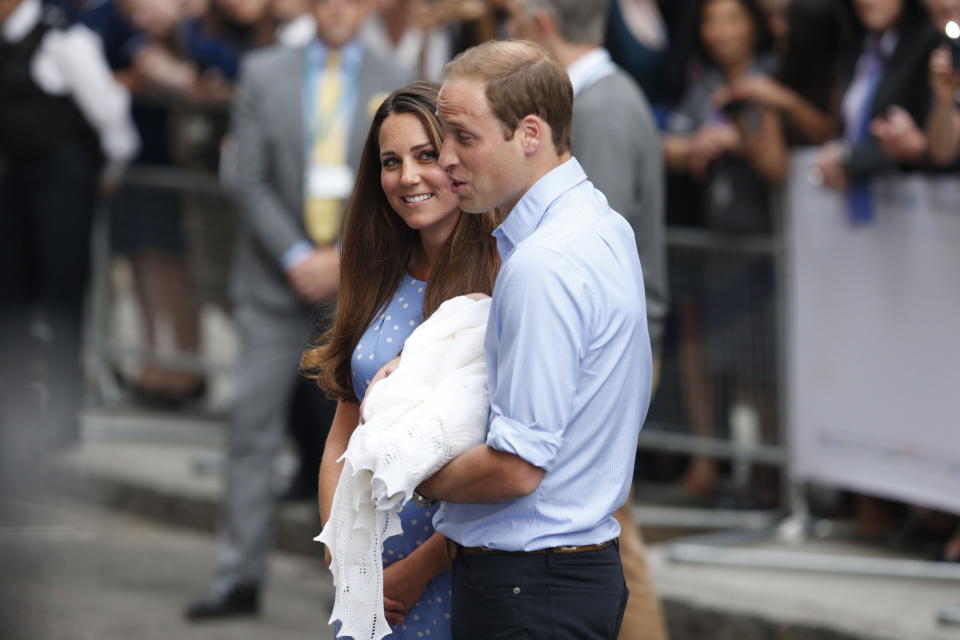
(578, 21)
(521, 79)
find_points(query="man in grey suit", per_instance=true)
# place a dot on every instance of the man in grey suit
(616, 140)
(300, 119)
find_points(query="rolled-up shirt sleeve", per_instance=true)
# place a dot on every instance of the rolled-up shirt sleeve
(539, 323)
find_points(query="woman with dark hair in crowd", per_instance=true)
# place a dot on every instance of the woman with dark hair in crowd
(734, 153)
(406, 247)
(895, 40)
(734, 44)
(807, 85)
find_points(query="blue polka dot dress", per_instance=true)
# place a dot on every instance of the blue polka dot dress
(382, 341)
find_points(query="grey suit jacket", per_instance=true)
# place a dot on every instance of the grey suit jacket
(265, 166)
(616, 141)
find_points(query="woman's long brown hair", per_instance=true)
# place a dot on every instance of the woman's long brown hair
(376, 245)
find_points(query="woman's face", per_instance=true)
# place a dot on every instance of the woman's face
(726, 28)
(878, 15)
(415, 185)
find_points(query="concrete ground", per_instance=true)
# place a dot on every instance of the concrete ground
(74, 571)
(105, 575)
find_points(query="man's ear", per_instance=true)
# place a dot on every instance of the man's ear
(534, 132)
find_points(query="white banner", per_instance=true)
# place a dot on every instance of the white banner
(873, 338)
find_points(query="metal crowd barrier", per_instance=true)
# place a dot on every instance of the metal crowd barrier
(725, 291)
(182, 220)
(720, 395)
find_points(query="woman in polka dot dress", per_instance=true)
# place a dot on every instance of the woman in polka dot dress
(406, 248)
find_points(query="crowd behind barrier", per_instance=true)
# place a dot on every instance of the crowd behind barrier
(735, 84)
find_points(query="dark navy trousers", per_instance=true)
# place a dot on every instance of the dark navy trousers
(557, 596)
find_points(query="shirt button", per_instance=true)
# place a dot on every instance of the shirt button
(516, 590)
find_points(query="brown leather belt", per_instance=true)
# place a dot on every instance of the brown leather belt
(454, 549)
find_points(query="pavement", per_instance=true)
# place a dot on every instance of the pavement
(137, 501)
(78, 571)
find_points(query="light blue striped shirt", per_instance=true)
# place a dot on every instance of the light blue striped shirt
(570, 368)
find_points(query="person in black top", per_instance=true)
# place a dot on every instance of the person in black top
(63, 121)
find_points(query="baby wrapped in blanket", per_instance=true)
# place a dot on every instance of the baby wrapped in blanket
(433, 407)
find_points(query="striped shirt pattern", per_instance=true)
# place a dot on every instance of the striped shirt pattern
(569, 359)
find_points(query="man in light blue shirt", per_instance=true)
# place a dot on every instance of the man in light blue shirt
(529, 513)
(615, 139)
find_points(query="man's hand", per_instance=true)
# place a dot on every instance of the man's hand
(899, 136)
(317, 277)
(944, 79)
(404, 583)
(943, 124)
(830, 165)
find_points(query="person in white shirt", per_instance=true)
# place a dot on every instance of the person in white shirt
(296, 25)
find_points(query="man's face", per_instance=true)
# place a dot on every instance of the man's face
(487, 170)
(878, 15)
(287, 10)
(338, 21)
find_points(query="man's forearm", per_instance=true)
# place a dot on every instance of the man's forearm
(483, 475)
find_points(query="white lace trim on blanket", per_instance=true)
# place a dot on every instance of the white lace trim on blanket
(431, 409)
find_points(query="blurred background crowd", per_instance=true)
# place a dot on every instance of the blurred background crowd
(734, 86)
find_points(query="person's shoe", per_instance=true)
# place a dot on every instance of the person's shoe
(240, 600)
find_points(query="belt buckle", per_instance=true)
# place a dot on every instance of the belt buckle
(570, 548)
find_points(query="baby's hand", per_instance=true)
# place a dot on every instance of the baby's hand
(384, 371)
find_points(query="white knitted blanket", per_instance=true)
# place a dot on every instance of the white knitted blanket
(431, 409)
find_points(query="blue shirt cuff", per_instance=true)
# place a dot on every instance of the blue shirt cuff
(539, 448)
(296, 254)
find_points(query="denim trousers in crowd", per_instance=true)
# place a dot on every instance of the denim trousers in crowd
(538, 595)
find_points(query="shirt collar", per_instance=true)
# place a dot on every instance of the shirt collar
(589, 68)
(298, 31)
(889, 42)
(529, 212)
(885, 45)
(350, 55)
(23, 19)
